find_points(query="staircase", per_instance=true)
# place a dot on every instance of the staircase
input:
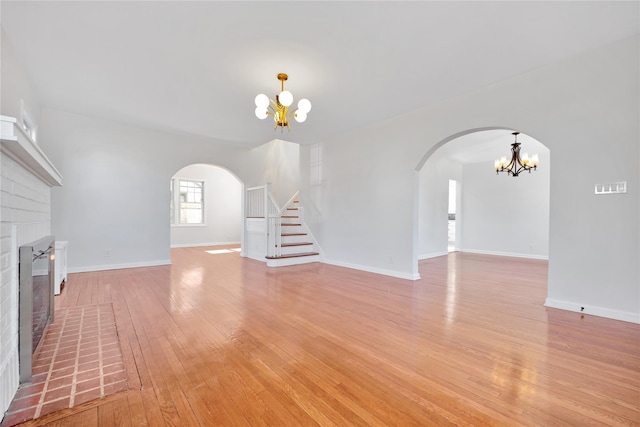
(289, 243)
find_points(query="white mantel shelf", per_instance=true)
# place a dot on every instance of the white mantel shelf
(17, 145)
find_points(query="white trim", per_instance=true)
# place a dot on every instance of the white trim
(17, 145)
(176, 202)
(91, 268)
(289, 202)
(433, 255)
(625, 316)
(509, 254)
(255, 258)
(197, 245)
(398, 274)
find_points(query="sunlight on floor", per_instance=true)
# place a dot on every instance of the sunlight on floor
(223, 251)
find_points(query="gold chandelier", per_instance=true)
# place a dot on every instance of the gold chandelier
(279, 108)
(517, 164)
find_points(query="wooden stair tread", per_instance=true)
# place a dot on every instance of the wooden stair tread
(284, 224)
(289, 216)
(286, 245)
(293, 255)
(292, 234)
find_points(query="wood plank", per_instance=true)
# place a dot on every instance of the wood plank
(224, 340)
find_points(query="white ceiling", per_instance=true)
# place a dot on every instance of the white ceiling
(195, 67)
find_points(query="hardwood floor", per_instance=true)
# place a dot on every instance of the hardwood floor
(216, 339)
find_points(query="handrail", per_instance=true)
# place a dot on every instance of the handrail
(289, 202)
(260, 204)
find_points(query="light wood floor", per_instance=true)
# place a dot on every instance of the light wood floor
(222, 340)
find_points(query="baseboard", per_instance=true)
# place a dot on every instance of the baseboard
(91, 268)
(197, 245)
(257, 258)
(509, 254)
(624, 316)
(406, 276)
(433, 255)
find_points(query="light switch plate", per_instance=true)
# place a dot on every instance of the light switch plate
(611, 188)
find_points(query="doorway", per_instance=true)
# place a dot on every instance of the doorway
(451, 216)
(503, 215)
(205, 207)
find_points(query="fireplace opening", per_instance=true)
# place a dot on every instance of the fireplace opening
(36, 276)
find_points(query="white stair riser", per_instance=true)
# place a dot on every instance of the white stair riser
(286, 250)
(291, 229)
(282, 262)
(295, 239)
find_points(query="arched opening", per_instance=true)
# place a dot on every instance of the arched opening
(496, 215)
(205, 207)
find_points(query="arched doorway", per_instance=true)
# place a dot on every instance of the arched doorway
(497, 215)
(205, 207)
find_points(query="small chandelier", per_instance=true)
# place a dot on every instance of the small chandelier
(516, 164)
(279, 108)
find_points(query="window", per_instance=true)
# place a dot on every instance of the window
(187, 203)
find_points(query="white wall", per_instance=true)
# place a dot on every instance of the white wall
(16, 88)
(277, 162)
(223, 208)
(584, 110)
(506, 215)
(116, 193)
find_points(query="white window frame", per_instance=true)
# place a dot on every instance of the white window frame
(175, 205)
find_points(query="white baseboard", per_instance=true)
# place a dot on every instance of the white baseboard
(400, 275)
(197, 245)
(257, 258)
(625, 316)
(433, 255)
(91, 268)
(509, 254)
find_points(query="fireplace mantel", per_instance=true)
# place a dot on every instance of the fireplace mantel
(17, 145)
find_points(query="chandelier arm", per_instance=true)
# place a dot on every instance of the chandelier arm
(291, 113)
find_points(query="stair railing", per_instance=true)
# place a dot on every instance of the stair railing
(274, 236)
(274, 226)
(256, 202)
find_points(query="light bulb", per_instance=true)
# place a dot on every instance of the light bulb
(300, 116)
(262, 101)
(497, 164)
(261, 113)
(304, 105)
(534, 160)
(525, 159)
(285, 98)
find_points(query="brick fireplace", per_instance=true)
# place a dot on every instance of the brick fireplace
(26, 177)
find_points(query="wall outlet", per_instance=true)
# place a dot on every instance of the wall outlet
(107, 252)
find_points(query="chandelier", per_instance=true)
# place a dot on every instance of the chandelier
(279, 108)
(517, 164)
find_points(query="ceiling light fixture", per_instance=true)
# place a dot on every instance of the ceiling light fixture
(279, 108)
(516, 164)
